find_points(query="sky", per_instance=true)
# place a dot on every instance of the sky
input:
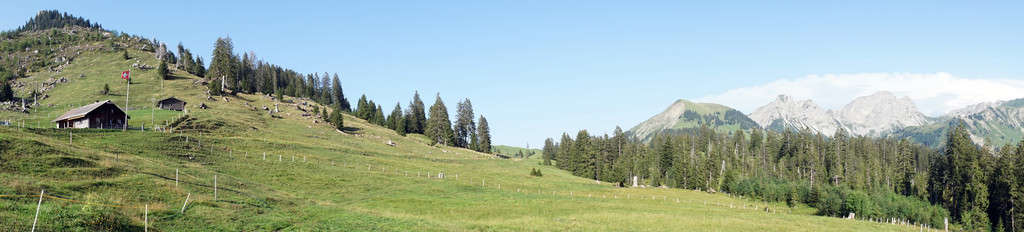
(537, 69)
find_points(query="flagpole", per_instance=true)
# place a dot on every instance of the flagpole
(126, 94)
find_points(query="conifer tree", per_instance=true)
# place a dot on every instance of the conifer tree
(363, 108)
(7, 94)
(337, 119)
(161, 71)
(484, 133)
(401, 125)
(464, 125)
(378, 116)
(439, 127)
(417, 117)
(548, 151)
(339, 94)
(395, 117)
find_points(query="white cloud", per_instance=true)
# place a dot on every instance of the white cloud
(934, 93)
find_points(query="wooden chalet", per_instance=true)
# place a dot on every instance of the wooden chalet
(171, 103)
(103, 114)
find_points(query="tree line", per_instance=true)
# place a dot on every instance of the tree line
(245, 73)
(438, 128)
(838, 174)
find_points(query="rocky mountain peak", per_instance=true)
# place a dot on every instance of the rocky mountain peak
(784, 112)
(879, 113)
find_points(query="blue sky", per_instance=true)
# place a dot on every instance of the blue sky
(536, 69)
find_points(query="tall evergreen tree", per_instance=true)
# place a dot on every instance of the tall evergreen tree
(199, 69)
(464, 125)
(439, 126)
(339, 94)
(363, 110)
(484, 133)
(395, 117)
(966, 190)
(417, 117)
(378, 116)
(223, 63)
(161, 70)
(6, 93)
(401, 127)
(548, 151)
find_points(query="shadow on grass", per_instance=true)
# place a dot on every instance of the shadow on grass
(352, 130)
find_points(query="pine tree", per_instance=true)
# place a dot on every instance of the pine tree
(337, 119)
(464, 125)
(106, 88)
(199, 69)
(401, 127)
(967, 190)
(548, 151)
(7, 94)
(439, 126)
(224, 63)
(363, 108)
(395, 117)
(339, 94)
(378, 116)
(124, 55)
(417, 119)
(161, 71)
(484, 133)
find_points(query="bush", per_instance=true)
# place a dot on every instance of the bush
(536, 172)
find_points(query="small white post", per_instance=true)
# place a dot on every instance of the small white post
(264, 156)
(175, 177)
(499, 186)
(145, 219)
(186, 202)
(71, 138)
(214, 187)
(40, 205)
(946, 223)
(247, 155)
(278, 158)
(483, 183)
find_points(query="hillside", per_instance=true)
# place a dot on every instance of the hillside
(683, 115)
(991, 124)
(294, 172)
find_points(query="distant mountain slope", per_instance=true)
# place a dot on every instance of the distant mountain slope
(684, 114)
(785, 113)
(991, 124)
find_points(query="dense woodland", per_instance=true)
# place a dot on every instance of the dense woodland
(838, 174)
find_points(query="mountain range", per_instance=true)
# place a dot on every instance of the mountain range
(882, 114)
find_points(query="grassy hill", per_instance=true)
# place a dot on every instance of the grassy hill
(686, 115)
(296, 173)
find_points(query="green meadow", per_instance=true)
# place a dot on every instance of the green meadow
(289, 172)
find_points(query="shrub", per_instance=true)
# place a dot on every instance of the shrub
(536, 172)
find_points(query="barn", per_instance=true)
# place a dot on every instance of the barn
(171, 103)
(103, 114)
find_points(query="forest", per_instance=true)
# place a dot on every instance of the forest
(877, 178)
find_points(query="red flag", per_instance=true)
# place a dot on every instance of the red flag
(125, 75)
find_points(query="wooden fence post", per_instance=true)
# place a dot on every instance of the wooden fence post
(145, 219)
(186, 203)
(40, 205)
(214, 187)
(175, 177)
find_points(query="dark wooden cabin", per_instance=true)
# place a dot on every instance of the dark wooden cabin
(171, 103)
(103, 114)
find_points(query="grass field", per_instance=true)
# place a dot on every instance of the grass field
(292, 173)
